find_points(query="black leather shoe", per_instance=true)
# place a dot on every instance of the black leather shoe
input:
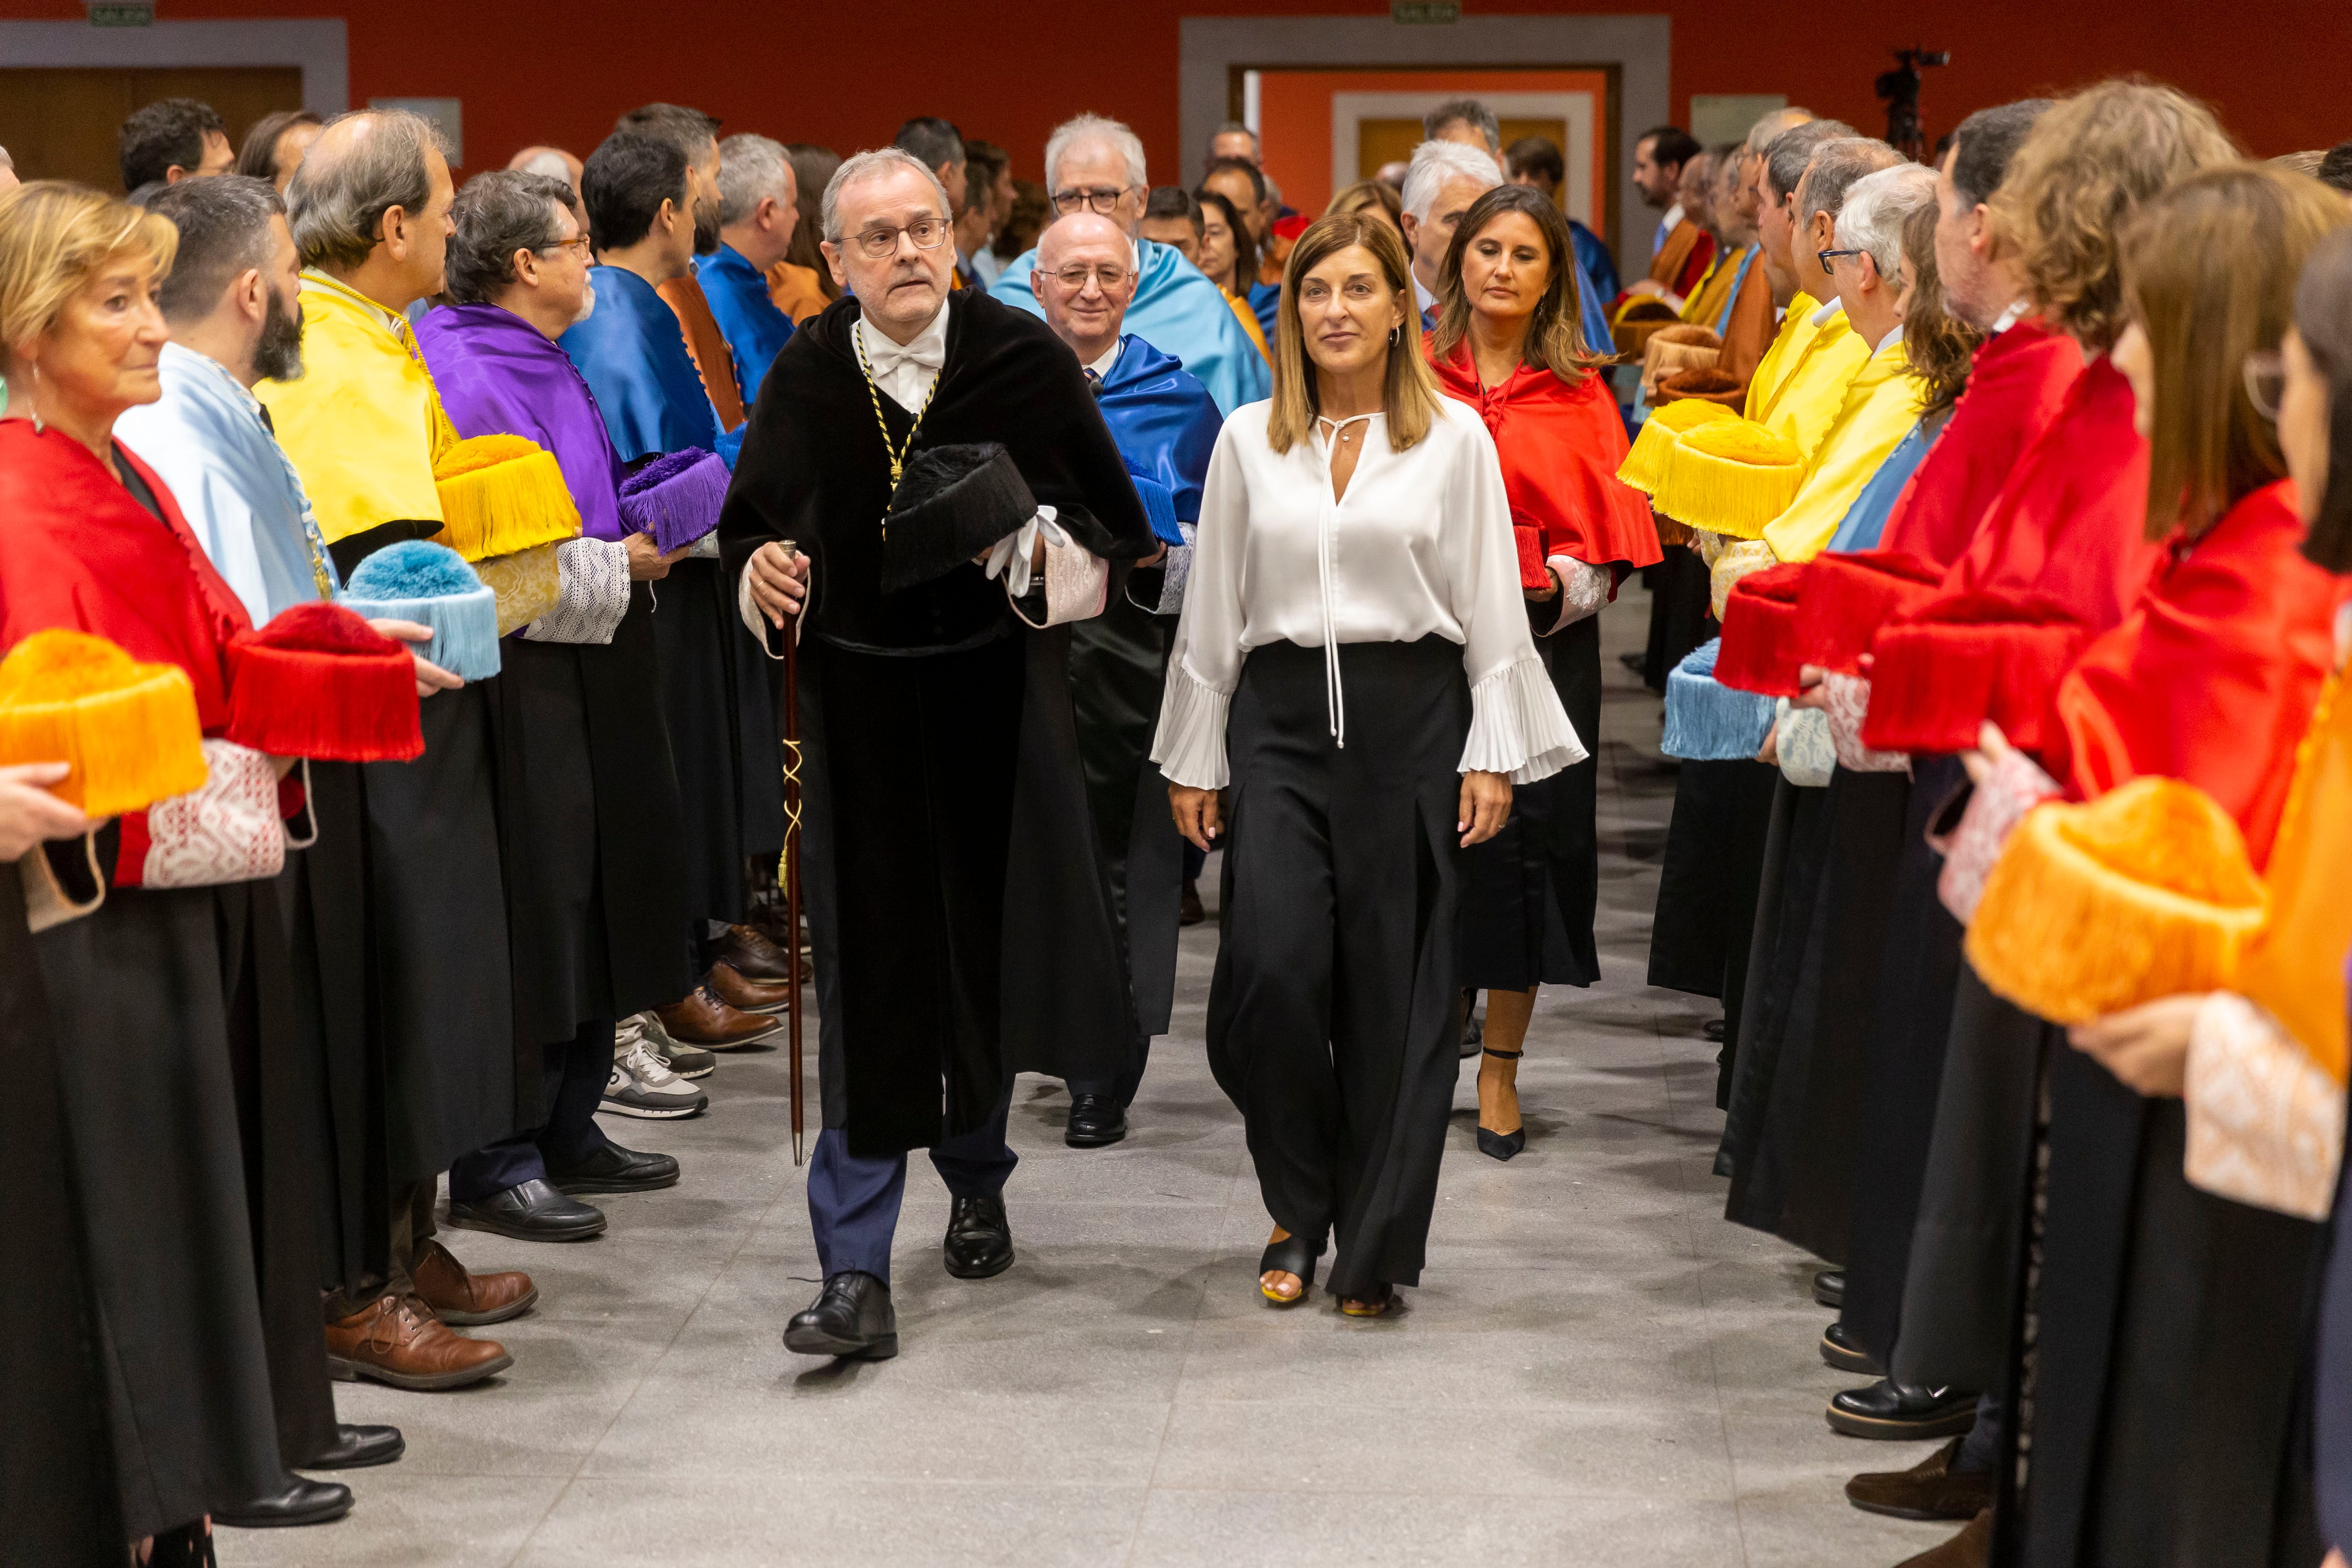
(980, 1238)
(613, 1169)
(1902, 1413)
(529, 1211)
(1829, 1288)
(299, 1501)
(1843, 1352)
(1095, 1120)
(852, 1316)
(357, 1447)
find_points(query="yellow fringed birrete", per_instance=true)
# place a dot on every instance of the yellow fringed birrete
(501, 494)
(1647, 459)
(1730, 477)
(2144, 892)
(129, 731)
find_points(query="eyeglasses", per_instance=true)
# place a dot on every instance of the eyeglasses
(1111, 275)
(928, 233)
(1826, 257)
(1101, 199)
(587, 246)
(2266, 374)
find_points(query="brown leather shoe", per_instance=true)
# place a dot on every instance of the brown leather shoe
(463, 1300)
(1929, 1490)
(729, 987)
(397, 1339)
(748, 952)
(702, 1019)
(1971, 1548)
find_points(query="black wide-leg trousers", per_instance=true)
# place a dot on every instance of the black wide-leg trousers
(1331, 1021)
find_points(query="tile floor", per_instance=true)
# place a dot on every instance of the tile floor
(1597, 1369)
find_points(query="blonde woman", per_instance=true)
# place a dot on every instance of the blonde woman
(1354, 668)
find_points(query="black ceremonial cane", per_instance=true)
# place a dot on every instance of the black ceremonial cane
(788, 868)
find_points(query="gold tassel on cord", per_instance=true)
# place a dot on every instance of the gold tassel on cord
(1730, 477)
(128, 729)
(2144, 892)
(501, 494)
(1647, 461)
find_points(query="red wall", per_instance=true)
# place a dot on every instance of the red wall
(844, 72)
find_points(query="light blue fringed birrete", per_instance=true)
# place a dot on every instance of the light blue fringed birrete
(431, 585)
(1708, 722)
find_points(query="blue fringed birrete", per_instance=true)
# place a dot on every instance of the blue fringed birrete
(1707, 721)
(431, 585)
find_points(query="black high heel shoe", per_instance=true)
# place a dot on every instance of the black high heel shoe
(1293, 1254)
(1503, 1145)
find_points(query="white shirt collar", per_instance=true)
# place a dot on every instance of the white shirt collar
(906, 373)
(2009, 318)
(1820, 318)
(1668, 224)
(1890, 339)
(1421, 296)
(1101, 367)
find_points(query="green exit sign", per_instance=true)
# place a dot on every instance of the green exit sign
(122, 13)
(1425, 13)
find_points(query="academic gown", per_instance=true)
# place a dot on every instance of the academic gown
(1530, 892)
(1166, 426)
(2169, 1347)
(1178, 310)
(747, 316)
(590, 819)
(722, 736)
(158, 1076)
(1599, 267)
(707, 347)
(364, 425)
(963, 925)
(2018, 379)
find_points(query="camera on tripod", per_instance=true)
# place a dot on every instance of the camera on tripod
(1900, 89)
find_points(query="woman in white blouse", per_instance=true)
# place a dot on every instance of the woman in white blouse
(1354, 666)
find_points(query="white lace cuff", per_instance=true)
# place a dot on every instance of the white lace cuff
(1847, 700)
(1517, 726)
(2265, 1123)
(764, 632)
(1190, 746)
(1078, 581)
(1807, 754)
(1737, 559)
(596, 593)
(1583, 590)
(1175, 572)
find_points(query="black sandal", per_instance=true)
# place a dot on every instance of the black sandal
(1374, 1306)
(1503, 1145)
(1293, 1254)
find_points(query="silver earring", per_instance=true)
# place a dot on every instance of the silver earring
(38, 427)
(1392, 335)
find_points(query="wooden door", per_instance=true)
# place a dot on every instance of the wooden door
(64, 123)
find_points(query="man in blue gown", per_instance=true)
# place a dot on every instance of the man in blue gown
(757, 211)
(1095, 166)
(1166, 426)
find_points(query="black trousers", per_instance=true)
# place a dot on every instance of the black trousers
(1331, 1021)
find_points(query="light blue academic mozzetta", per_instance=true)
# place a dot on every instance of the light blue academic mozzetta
(1176, 310)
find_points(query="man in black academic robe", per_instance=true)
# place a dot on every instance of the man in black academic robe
(962, 922)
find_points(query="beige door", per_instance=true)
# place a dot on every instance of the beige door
(63, 123)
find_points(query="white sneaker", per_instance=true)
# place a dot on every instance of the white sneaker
(687, 1061)
(641, 1086)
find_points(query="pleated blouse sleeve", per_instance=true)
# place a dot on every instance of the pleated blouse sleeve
(1206, 663)
(1517, 725)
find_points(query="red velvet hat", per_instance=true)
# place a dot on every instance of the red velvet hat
(320, 682)
(1759, 632)
(1948, 666)
(1848, 597)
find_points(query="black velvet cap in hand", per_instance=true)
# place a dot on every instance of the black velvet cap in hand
(953, 503)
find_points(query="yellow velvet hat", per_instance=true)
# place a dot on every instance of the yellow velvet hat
(500, 494)
(1730, 477)
(128, 729)
(2144, 892)
(1647, 459)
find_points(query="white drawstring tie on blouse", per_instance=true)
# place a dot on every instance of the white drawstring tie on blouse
(1335, 701)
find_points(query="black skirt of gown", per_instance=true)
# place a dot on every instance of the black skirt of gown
(1528, 893)
(1796, 849)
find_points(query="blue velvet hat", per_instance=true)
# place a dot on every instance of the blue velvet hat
(430, 584)
(1709, 723)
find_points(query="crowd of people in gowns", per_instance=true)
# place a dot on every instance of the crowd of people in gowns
(425, 606)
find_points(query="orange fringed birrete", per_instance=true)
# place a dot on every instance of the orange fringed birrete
(1645, 460)
(1730, 477)
(2091, 908)
(500, 494)
(129, 731)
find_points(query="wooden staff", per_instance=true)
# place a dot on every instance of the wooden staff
(788, 869)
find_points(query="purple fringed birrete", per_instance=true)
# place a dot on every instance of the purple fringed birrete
(676, 497)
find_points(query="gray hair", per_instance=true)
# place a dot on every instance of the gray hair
(496, 215)
(337, 198)
(872, 165)
(1789, 152)
(1435, 165)
(225, 232)
(1761, 134)
(6, 160)
(1875, 208)
(1464, 111)
(548, 163)
(1835, 167)
(1087, 129)
(749, 169)
(1235, 128)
